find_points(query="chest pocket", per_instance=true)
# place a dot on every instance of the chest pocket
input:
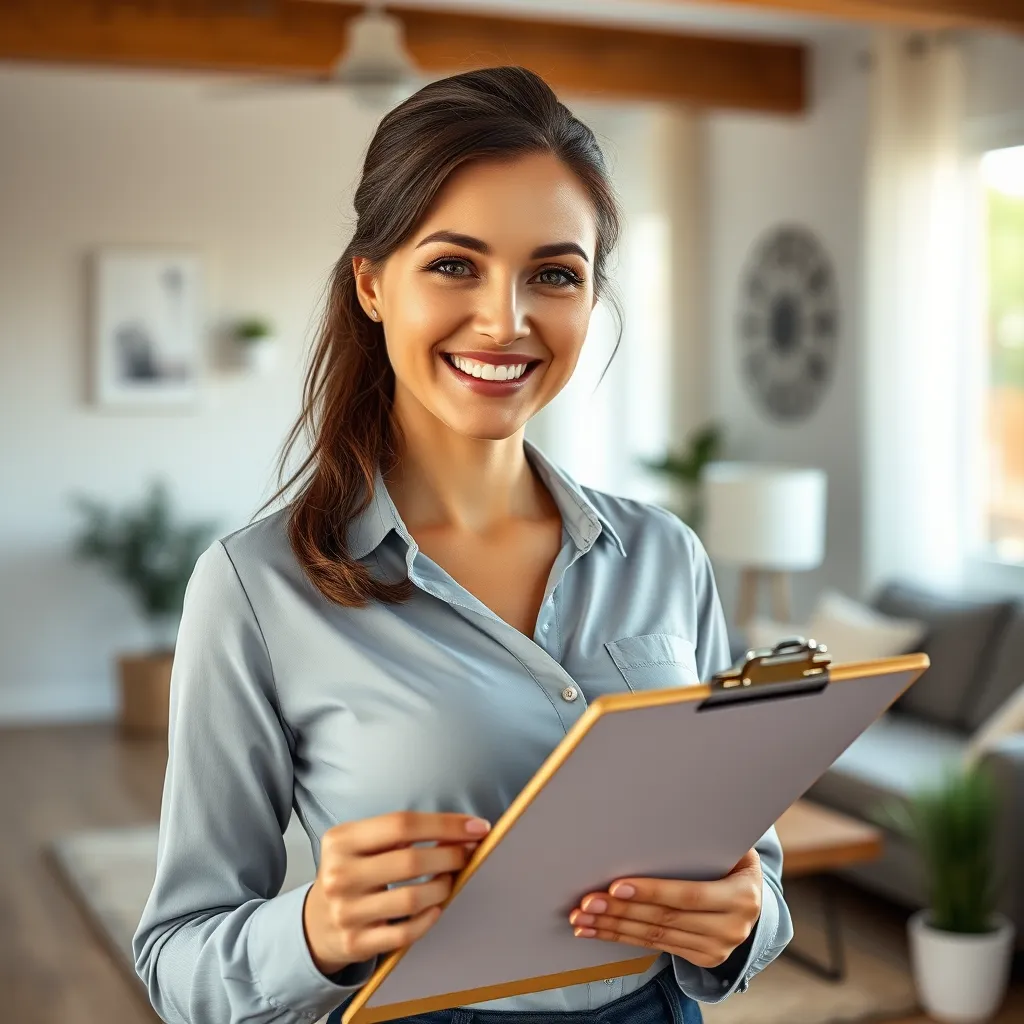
(655, 660)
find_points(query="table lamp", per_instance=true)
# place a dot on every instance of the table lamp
(767, 519)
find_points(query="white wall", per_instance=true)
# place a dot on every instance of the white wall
(768, 170)
(261, 186)
(995, 76)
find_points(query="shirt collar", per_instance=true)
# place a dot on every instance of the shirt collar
(581, 519)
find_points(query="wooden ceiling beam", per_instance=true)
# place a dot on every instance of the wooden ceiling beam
(292, 36)
(1006, 15)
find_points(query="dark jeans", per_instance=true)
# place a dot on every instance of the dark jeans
(658, 1002)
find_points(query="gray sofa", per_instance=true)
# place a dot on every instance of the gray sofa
(977, 662)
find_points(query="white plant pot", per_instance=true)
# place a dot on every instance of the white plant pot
(960, 978)
(260, 354)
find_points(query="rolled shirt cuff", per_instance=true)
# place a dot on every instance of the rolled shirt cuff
(287, 976)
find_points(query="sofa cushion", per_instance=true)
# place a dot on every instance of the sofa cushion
(890, 759)
(1006, 678)
(852, 631)
(1007, 720)
(960, 643)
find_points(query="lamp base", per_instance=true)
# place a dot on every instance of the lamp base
(750, 584)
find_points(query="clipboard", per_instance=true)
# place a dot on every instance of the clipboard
(674, 782)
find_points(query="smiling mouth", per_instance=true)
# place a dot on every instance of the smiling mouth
(531, 365)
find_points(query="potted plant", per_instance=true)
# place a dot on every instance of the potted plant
(687, 469)
(961, 947)
(153, 556)
(256, 341)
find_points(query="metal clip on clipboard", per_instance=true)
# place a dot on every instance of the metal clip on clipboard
(793, 667)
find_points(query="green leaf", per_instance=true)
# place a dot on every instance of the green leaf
(951, 824)
(687, 467)
(144, 547)
(251, 328)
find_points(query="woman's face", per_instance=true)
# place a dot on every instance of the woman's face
(500, 271)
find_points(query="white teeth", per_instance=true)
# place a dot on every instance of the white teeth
(488, 371)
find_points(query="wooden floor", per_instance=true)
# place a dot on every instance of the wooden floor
(53, 967)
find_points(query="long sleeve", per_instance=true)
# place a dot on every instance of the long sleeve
(774, 928)
(218, 943)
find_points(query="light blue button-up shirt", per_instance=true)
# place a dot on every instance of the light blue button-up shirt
(281, 699)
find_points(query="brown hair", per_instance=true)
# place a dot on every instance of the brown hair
(493, 113)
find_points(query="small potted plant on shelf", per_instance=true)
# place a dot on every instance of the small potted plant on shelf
(153, 557)
(257, 343)
(687, 470)
(961, 947)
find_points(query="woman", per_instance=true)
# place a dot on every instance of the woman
(397, 651)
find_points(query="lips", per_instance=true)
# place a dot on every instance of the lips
(495, 358)
(448, 357)
(490, 387)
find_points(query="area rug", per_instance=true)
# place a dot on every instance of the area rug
(110, 873)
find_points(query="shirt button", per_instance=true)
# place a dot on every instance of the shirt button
(570, 693)
(609, 981)
(545, 627)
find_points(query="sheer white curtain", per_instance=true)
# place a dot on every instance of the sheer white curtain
(914, 351)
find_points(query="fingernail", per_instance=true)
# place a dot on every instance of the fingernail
(477, 826)
(471, 846)
(596, 905)
(624, 891)
(585, 933)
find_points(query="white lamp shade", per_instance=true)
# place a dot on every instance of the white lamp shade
(764, 516)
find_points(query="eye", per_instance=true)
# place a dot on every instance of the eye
(458, 267)
(564, 277)
(448, 266)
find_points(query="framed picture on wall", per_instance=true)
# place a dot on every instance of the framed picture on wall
(147, 316)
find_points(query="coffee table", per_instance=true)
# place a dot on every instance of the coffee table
(815, 841)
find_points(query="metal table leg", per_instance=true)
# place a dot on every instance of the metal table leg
(833, 968)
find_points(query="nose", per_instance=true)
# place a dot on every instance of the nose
(501, 313)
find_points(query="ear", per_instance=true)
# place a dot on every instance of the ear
(367, 286)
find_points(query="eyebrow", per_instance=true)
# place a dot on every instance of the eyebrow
(480, 246)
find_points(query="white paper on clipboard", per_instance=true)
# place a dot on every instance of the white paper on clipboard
(660, 789)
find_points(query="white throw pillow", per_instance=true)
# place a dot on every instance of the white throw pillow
(1006, 720)
(852, 631)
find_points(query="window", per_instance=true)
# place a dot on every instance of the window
(1002, 176)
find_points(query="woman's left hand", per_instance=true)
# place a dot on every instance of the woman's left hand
(702, 922)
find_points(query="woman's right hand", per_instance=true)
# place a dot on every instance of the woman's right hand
(349, 913)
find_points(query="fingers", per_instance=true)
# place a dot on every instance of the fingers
(700, 957)
(401, 828)
(741, 887)
(375, 873)
(405, 901)
(652, 935)
(711, 934)
(722, 894)
(352, 914)
(384, 938)
(697, 921)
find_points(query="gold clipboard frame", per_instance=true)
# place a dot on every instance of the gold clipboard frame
(793, 665)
